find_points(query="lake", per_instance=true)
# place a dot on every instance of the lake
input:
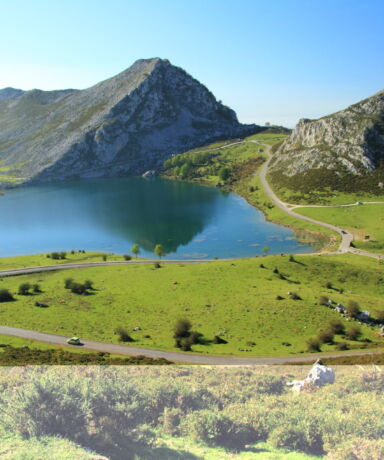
(189, 220)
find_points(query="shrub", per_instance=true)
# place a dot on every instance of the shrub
(295, 296)
(88, 284)
(24, 289)
(278, 297)
(287, 437)
(215, 429)
(62, 255)
(36, 289)
(336, 326)
(342, 346)
(55, 255)
(156, 265)
(171, 420)
(104, 257)
(380, 316)
(68, 283)
(217, 339)
(123, 334)
(78, 288)
(358, 449)
(323, 300)
(353, 333)
(127, 257)
(276, 270)
(41, 305)
(328, 285)
(326, 336)
(353, 309)
(182, 328)
(314, 344)
(5, 295)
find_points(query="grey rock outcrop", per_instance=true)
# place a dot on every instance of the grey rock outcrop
(350, 141)
(126, 125)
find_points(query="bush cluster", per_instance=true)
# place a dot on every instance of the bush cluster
(184, 336)
(78, 288)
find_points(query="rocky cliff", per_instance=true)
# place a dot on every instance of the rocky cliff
(348, 142)
(122, 126)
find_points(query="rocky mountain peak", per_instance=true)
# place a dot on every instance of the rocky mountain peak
(125, 125)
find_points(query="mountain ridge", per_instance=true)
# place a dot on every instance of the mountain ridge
(124, 125)
(350, 140)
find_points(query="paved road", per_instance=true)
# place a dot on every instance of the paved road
(189, 358)
(346, 237)
(50, 268)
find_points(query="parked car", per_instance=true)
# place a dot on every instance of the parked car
(359, 202)
(74, 341)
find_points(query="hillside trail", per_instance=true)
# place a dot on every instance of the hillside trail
(346, 236)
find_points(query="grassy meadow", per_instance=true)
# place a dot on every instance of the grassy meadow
(246, 302)
(365, 222)
(38, 260)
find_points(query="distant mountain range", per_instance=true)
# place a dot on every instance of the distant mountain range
(122, 126)
(346, 144)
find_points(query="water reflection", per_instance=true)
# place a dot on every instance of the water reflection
(111, 214)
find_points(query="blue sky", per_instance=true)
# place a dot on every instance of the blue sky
(272, 61)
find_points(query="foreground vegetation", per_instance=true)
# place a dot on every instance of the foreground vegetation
(260, 307)
(365, 222)
(190, 413)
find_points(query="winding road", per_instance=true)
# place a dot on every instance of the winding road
(177, 357)
(346, 237)
(190, 358)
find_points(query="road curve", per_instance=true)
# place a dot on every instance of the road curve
(346, 237)
(177, 357)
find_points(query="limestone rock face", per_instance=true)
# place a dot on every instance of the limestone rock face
(351, 140)
(126, 125)
(318, 376)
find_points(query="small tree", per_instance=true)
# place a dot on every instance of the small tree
(88, 284)
(123, 334)
(326, 336)
(182, 328)
(5, 295)
(336, 326)
(313, 344)
(353, 333)
(68, 282)
(78, 288)
(224, 173)
(135, 249)
(265, 249)
(159, 250)
(323, 300)
(104, 257)
(353, 309)
(380, 316)
(24, 289)
(36, 288)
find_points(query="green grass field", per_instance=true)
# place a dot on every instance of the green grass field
(325, 197)
(38, 260)
(236, 299)
(365, 222)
